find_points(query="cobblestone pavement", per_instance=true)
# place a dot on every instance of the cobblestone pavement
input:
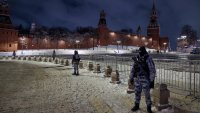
(38, 87)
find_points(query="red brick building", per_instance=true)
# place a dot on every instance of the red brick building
(152, 40)
(10, 40)
(8, 34)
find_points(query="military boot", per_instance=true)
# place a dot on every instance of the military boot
(74, 73)
(136, 107)
(149, 109)
(77, 73)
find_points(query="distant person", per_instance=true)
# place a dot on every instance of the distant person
(143, 71)
(75, 62)
(54, 55)
(157, 51)
(14, 54)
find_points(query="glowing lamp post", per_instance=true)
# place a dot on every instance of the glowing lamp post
(45, 41)
(165, 46)
(118, 42)
(77, 43)
(143, 38)
(146, 43)
(150, 42)
(128, 35)
(112, 34)
(22, 42)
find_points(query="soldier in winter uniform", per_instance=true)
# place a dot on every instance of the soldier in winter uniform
(75, 62)
(14, 54)
(54, 55)
(143, 71)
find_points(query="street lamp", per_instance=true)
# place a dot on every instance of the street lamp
(45, 41)
(165, 46)
(77, 42)
(135, 37)
(112, 33)
(143, 40)
(150, 42)
(146, 43)
(118, 42)
(22, 42)
(93, 42)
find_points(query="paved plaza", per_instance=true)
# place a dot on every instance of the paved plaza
(38, 87)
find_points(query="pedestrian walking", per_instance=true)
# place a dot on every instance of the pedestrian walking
(54, 54)
(75, 62)
(143, 73)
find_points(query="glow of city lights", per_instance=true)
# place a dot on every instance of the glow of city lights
(182, 37)
(118, 42)
(77, 41)
(146, 43)
(129, 35)
(45, 40)
(112, 33)
(143, 38)
(135, 37)
(62, 41)
(164, 43)
(150, 39)
(23, 38)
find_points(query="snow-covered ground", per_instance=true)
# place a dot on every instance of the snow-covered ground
(111, 49)
(48, 87)
(40, 87)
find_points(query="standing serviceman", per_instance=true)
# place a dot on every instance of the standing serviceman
(54, 55)
(75, 62)
(14, 54)
(143, 71)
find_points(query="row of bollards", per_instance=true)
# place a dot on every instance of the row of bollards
(107, 73)
(61, 61)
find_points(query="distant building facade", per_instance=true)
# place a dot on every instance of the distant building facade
(10, 39)
(8, 33)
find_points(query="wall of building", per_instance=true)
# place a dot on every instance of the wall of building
(8, 39)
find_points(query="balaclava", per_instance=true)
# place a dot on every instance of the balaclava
(142, 51)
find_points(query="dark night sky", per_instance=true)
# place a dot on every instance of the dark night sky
(172, 14)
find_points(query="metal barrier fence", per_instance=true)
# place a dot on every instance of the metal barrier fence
(183, 75)
(179, 75)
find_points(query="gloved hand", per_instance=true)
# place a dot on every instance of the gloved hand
(151, 86)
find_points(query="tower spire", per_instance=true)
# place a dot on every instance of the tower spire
(102, 20)
(153, 29)
(153, 19)
(4, 13)
(154, 8)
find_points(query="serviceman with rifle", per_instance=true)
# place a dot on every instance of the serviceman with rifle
(75, 62)
(143, 71)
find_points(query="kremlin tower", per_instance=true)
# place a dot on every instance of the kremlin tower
(8, 34)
